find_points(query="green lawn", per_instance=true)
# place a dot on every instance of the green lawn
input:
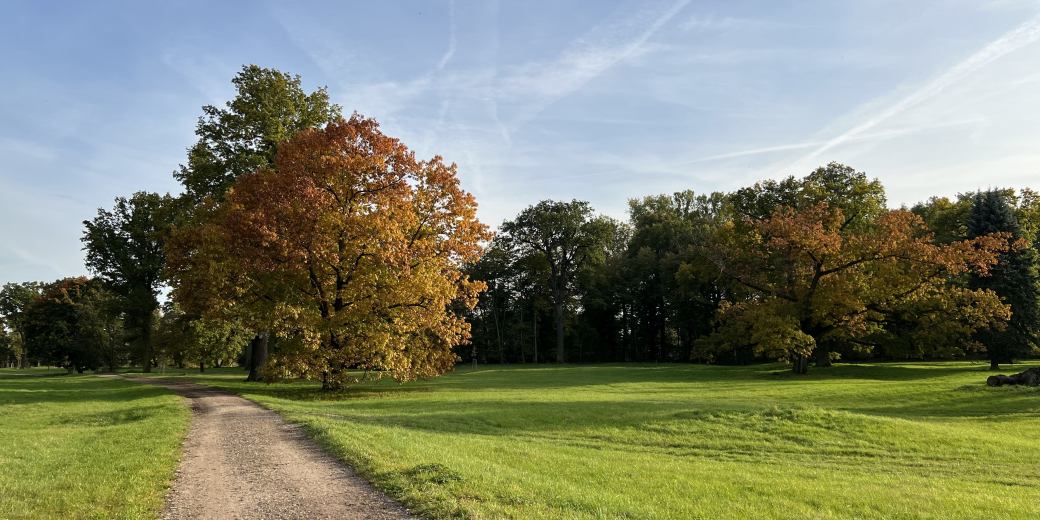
(85, 446)
(685, 441)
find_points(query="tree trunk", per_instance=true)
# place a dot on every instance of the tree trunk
(823, 358)
(800, 364)
(523, 355)
(498, 335)
(202, 367)
(534, 334)
(558, 312)
(146, 339)
(257, 356)
(994, 365)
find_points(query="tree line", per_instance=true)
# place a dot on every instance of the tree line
(806, 270)
(307, 243)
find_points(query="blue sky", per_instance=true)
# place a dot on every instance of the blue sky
(595, 100)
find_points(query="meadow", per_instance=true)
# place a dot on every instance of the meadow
(683, 441)
(83, 446)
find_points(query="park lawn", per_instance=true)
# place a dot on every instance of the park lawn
(83, 446)
(684, 441)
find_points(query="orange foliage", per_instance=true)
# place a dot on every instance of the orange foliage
(349, 249)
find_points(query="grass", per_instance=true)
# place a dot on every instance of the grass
(85, 446)
(684, 441)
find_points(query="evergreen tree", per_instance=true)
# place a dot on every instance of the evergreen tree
(1014, 279)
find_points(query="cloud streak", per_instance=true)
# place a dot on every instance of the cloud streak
(1019, 37)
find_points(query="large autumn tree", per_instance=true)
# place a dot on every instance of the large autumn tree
(269, 107)
(352, 247)
(812, 280)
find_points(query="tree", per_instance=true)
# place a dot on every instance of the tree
(354, 249)
(565, 235)
(15, 299)
(8, 349)
(125, 248)
(203, 341)
(71, 324)
(269, 108)
(811, 279)
(1014, 279)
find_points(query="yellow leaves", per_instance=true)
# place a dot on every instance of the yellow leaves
(353, 251)
(809, 276)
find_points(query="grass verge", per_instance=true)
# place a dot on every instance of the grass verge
(80, 446)
(683, 441)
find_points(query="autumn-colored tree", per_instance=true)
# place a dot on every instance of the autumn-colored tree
(269, 107)
(352, 247)
(812, 280)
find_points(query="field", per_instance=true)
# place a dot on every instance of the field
(684, 441)
(85, 446)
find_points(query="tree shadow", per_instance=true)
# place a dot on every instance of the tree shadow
(40, 388)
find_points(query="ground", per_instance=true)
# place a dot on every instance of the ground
(85, 446)
(684, 441)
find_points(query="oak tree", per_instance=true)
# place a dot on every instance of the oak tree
(811, 279)
(352, 247)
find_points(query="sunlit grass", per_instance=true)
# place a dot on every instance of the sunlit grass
(685, 441)
(85, 446)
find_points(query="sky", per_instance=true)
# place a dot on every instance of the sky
(595, 100)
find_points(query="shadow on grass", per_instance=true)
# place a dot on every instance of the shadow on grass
(28, 388)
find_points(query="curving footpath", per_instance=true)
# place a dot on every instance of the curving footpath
(244, 461)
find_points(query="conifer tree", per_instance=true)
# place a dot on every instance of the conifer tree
(1014, 279)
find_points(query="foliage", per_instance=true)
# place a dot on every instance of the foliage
(351, 246)
(269, 107)
(567, 237)
(200, 340)
(813, 280)
(74, 324)
(1014, 279)
(125, 248)
(15, 299)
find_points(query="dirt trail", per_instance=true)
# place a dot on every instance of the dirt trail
(243, 461)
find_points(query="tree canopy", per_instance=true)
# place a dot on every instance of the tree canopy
(354, 249)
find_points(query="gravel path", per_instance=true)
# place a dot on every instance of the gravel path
(243, 461)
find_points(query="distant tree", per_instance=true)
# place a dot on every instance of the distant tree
(125, 248)
(1014, 279)
(354, 247)
(812, 279)
(201, 341)
(72, 325)
(7, 347)
(566, 235)
(675, 289)
(15, 299)
(269, 108)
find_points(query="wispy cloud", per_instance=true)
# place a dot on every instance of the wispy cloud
(861, 137)
(587, 58)
(1025, 34)
(448, 54)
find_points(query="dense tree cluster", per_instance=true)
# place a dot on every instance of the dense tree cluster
(306, 243)
(801, 269)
